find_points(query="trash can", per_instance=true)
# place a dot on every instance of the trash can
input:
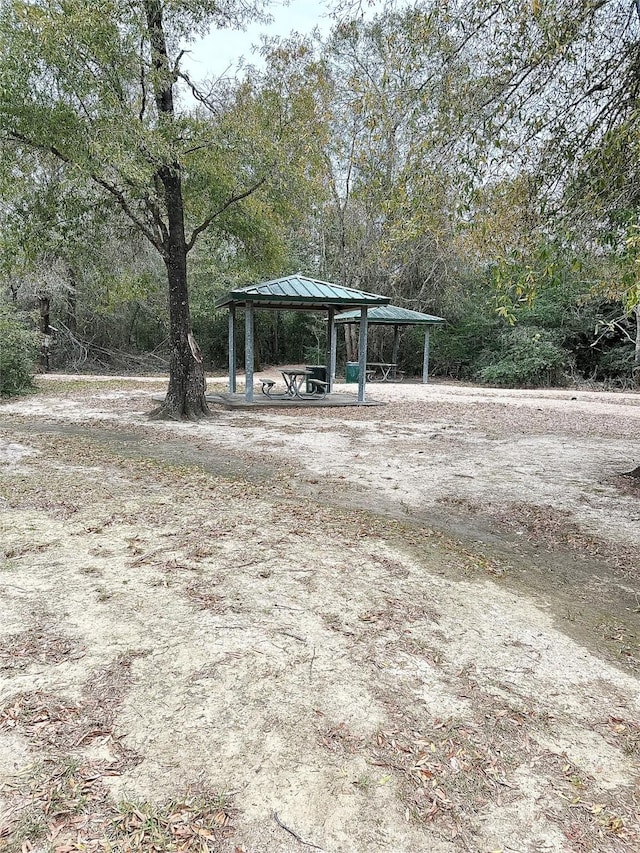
(316, 371)
(351, 371)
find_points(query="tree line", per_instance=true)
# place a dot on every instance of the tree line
(477, 161)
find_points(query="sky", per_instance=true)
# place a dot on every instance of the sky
(219, 52)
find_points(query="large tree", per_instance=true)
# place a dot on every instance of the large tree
(391, 166)
(99, 87)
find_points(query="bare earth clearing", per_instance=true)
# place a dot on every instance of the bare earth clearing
(411, 627)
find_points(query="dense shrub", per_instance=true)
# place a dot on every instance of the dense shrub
(18, 353)
(616, 364)
(554, 334)
(458, 347)
(530, 357)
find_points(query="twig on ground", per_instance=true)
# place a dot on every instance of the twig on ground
(313, 657)
(293, 636)
(13, 586)
(294, 833)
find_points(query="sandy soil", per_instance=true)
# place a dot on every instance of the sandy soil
(410, 627)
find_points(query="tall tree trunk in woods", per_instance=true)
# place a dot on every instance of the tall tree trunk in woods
(186, 394)
(636, 364)
(350, 331)
(71, 302)
(351, 341)
(131, 338)
(44, 303)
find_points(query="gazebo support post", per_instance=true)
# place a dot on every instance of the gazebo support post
(248, 352)
(331, 353)
(425, 361)
(396, 346)
(362, 354)
(232, 349)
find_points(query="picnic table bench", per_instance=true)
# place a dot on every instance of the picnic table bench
(294, 380)
(382, 371)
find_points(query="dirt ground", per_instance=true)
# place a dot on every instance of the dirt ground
(408, 627)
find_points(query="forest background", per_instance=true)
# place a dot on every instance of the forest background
(476, 161)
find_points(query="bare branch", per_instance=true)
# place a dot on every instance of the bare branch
(50, 149)
(176, 64)
(205, 100)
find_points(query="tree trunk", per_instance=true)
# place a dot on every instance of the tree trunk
(396, 345)
(636, 364)
(131, 340)
(44, 303)
(71, 302)
(350, 339)
(186, 394)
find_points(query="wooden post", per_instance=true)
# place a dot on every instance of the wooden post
(362, 353)
(331, 349)
(425, 361)
(248, 352)
(232, 349)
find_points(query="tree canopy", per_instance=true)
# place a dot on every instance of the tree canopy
(470, 160)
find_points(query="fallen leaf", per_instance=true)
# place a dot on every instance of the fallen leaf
(615, 824)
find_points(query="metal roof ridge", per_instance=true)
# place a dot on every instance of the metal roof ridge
(299, 291)
(302, 278)
(390, 313)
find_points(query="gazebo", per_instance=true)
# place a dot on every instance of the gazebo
(298, 293)
(391, 315)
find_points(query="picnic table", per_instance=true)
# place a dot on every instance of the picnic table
(295, 382)
(382, 371)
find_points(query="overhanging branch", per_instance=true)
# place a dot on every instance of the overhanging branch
(117, 194)
(230, 201)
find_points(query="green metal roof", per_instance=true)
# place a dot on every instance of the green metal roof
(391, 315)
(298, 291)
